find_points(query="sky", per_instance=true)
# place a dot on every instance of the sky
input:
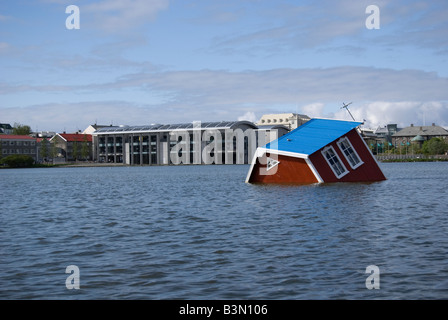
(139, 62)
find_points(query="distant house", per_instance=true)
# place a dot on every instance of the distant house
(18, 144)
(321, 150)
(418, 134)
(93, 127)
(385, 133)
(289, 120)
(5, 128)
(71, 143)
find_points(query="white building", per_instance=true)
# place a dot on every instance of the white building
(289, 120)
(225, 142)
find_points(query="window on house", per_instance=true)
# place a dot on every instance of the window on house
(334, 162)
(349, 153)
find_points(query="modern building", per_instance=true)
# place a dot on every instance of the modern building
(321, 150)
(290, 120)
(418, 134)
(18, 144)
(222, 142)
(384, 134)
(73, 146)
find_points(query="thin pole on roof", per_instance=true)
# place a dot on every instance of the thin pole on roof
(345, 106)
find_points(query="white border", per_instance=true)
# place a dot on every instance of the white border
(339, 142)
(262, 151)
(339, 159)
(313, 169)
(371, 154)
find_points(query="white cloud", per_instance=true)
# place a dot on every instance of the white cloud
(248, 116)
(117, 16)
(403, 113)
(313, 110)
(71, 117)
(380, 96)
(77, 116)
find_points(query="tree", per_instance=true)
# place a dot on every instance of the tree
(75, 153)
(44, 148)
(21, 129)
(17, 161)
(85, 148)
(434, 146)
(54, 149)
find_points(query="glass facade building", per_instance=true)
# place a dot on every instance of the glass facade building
(225, 142)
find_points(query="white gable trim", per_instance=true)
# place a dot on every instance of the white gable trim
(371, 153)
(262, 151)
(57, 134)
(286, 153)
(313, 169)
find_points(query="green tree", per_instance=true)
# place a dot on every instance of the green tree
(434, 146)
(54, 150)
(75, 152)
(85, 148)
(44, 148)
(21, 129)
(17, 161)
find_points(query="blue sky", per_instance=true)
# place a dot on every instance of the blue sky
(167, 61)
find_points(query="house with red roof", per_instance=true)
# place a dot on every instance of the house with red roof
(73, 146)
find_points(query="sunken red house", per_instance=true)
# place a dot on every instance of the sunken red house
(321, 150)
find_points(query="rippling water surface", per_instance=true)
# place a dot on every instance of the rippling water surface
(200, 232)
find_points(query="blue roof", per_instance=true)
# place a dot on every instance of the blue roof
(312, 136)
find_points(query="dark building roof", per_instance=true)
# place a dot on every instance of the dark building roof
(5, 126)
(423, 131)
(178, 126)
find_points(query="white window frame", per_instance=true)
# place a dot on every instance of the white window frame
(339, 143)
(324, 151)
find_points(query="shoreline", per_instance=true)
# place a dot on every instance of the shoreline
(111, 165)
